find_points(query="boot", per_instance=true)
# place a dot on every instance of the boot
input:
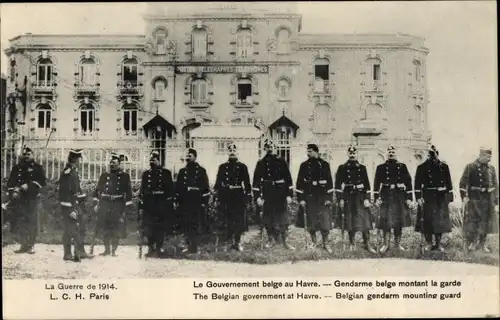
(397, 241)
(107, 250)
(271, 242)
(482, 243)
(67, 252)
(314, 239)
(285, 243)
(151, 252)
(237, 243)
(114, 246)
(385, 246)
(22, 249)
(366, 240)
(352, 247)
(326, 246)
(472, 246)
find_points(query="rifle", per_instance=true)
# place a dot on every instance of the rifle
(140, 231)
(94, 237)
(342, 226)
(377, 225)
(420, 212)
(304, 211)
(464, 213)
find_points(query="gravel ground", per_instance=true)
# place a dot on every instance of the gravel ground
(47, 263)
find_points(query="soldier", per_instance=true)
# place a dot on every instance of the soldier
(26, 180)
(71, 199)
(434, 192)
(479, 193)
(113, 194)
(315, 194)
(393, 194)
(192, 195)
(273, 184)
(156, 204)
(233, 190)
(354, 199)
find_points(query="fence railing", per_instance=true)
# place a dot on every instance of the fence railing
(212, 152)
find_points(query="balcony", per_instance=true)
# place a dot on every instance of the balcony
(199, 103)
(44, 87)
(247, 103)
(129, 88)
(321, 86)
(368, 127)
(375, 86)
(86, 90)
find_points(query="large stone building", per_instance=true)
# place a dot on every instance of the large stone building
(203, 75)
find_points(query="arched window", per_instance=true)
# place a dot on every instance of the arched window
(44, 73)
(159, 87)
(244, 87)
(87, 72)
(199, 43)
(199, 89)
(321, 119)
(129, 72)
(87, 119)
(160, 38)
(283, 88)
(283, 40)
(321, 74)
(244, 45)
(130, 119)
(43, 119)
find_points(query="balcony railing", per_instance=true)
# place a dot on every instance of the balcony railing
(321, 86)
(129, 88)
(44, 86)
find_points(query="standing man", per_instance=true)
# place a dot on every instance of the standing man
(156, 204)
(233, 192)
(26, 180)
(393, 194)
(71, 199)
(434, 192)
(192, 196)
(113, 194)
(354, 199)
(273, 185)
(479, 193)
(315, 194)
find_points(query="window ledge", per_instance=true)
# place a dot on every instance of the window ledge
(159, 100)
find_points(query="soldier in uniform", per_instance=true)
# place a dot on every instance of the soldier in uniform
(26, 180)
(71, 199)
(156, 204)
(273, 186)
(113, 194)
(479, 193)
(354, 199)
(315, 194)
(192, 196)
(393, 194)
(233, 190)
(434, 192)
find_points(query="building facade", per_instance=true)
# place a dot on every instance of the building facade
(205, 76)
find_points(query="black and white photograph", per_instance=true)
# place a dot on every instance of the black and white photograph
(253, 141)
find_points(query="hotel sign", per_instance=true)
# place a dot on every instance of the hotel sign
(221, 69)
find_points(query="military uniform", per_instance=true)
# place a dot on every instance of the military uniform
(434, 191)
(315, 187)
(480, 185)
(156, 201)
(272, 183)
(233, 190)
(353, 187)
(192, 196)
(71, 200)
(393, 186)
(25, 182)
(114, 193)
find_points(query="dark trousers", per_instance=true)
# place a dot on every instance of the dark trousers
(26, 222)
(110, 213)
(71, 233)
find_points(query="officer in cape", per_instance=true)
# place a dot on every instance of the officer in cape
(273, 187)
(314, 189)
(234, 191)
(24, 185)
(72, 200)
(433, 192)
(352, 189)
(393, 194)
(192, 195)
(479, 193)
(113, 194)
(156, 204)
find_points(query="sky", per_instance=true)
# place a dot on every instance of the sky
(461, 66)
